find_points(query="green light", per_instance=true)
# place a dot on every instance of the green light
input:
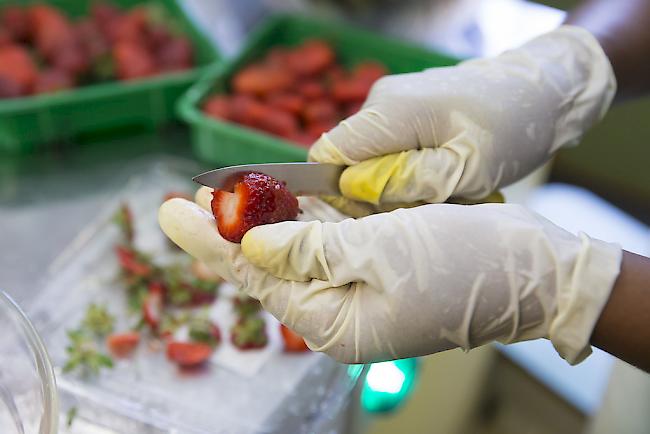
(388, 384)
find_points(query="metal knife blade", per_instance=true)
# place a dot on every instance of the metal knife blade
(301, 178)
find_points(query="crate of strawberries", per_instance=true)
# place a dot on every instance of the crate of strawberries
(72, 70)
(295, 79)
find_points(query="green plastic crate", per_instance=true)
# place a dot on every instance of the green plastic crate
(84, 113)
(226, 143)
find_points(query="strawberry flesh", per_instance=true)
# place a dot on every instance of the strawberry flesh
(258, 199)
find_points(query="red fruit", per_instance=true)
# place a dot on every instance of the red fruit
(5, 38)
(71, 59)
(218, 107)
(122, 344)
(51, 31)
(175, 55)
(188, 354)
(369, 71)
(288, 102)
(133, 61)
(311, 58)
(261, 80)
(152, 306)
(9, 88)
(17, 69)
(258, 199)
(246, 110)
(311, 89)
(320, 111)
(279, 122)
(14, 20)
(131, 263)
(52, 80)
(334, 73)
(131, 27)
(106, 17)
(350, 90)
(293, 342)
(91, 38)
(159, 36)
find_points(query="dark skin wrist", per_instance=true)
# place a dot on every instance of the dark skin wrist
(623, 29)
(623, 328)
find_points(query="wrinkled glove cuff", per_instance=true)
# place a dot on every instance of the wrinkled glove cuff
(581, 300)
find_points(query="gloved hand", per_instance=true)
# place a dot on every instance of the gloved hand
(467, 130)
(412, 281)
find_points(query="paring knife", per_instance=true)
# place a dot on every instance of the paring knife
(301, 178)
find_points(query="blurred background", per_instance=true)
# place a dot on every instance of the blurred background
(66, 154)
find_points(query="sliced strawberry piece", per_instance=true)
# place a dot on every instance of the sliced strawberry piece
(258, 199)
(293, 342)
(249, 333)
(152, 306)
(131, 263)
(122, 344)
(188, 354)
(205, 331)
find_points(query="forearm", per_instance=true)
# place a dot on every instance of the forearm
(623, 29)
(623, 328)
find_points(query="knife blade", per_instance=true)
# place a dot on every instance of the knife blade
(301, 178)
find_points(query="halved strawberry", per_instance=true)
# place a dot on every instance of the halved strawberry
(122, 344)
(152, 306)
(188, 354)
(257, 199)
(249, 333)
(131, 262)
(293, 342)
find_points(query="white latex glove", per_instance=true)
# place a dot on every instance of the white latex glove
(467, 130)
(412, 281)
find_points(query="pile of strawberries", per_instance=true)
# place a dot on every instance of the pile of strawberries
(42, 50)
(295, 93)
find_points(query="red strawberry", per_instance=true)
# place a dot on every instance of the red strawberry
(9, 88)
(188, 354)
(311, 58)
(278, 122)
(152, 306)
(122, 344)
(51, 30)
(249, 333)
(17, 67)
(311, 89)
(132, 263)
(261, 80)
(257, 199)
(369, 71)
(52, 80)
(352, 108)
(218, 107)
(293, 342)
(91, 38)
(351, 90)
(133, 61)
(317, 128)
(304, 139)
(175, 55)
(288, 102)
(322, 110)
(14, 20)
